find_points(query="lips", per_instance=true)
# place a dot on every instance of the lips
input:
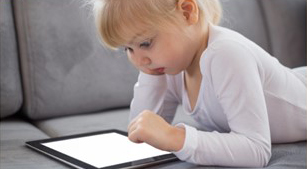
(159, 70)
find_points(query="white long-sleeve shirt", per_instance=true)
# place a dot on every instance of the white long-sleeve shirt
(247, 100)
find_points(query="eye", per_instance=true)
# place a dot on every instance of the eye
(128, 49)
(146, 44)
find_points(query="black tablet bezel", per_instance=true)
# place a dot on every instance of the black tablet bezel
(38, 146)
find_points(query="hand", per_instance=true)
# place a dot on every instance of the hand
(152, 129)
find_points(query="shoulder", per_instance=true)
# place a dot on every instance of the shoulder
(227, 53)
(227, 48)
(223, 41)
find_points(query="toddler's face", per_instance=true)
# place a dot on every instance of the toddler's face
(161, 52)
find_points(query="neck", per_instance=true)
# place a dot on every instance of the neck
(194, 68)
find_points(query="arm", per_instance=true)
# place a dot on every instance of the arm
(237, 83)
(151, 93)
(152, 111)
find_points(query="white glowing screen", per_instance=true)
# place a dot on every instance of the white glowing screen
(104, 149)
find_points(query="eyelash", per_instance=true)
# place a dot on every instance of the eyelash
(128, 49)
(146, 44)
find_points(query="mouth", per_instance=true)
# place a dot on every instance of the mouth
(159, 70)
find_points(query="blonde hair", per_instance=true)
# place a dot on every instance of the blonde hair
(117, 21)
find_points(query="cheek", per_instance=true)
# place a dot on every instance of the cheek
(164, 56)
(131, 59)
(170, 53)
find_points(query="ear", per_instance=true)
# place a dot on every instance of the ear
(189, 9)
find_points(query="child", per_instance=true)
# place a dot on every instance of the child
(243, 98)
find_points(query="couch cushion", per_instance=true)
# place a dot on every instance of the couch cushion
(284, 156)
(246, 17)
(10, 87)
(65, 68)
(286, 21)
(14, 132)
(113, 119)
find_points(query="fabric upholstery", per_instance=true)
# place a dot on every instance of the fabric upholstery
(242, 16)
(10, 87)
(67, 69)
(14, 132)
(113, 119)
(287, 29)
(284, 156)
(66, 72)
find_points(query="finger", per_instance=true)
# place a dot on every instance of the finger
(131, 124)
(134, 120)
(134, 136)
(137, 118)
(132, 128)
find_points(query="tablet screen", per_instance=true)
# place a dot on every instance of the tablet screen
(105, 149)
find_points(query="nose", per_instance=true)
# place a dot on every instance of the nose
(143, 61)
(140, 59)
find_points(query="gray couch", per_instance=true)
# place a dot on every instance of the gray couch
(56, 78)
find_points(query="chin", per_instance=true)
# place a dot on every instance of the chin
(173, 73)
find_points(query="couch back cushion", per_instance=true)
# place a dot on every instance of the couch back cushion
(65, 68)
(286, 21)
(246, 17)
(67, 71)
(278, 26)
(10, 87)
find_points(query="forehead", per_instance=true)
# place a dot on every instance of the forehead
(122, 22)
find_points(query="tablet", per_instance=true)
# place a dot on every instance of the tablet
(104, 149)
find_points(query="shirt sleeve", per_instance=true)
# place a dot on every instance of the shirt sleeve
(151, 93)
(237, 84)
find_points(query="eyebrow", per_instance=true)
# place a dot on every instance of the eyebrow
(133, 39)
(139, 37)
